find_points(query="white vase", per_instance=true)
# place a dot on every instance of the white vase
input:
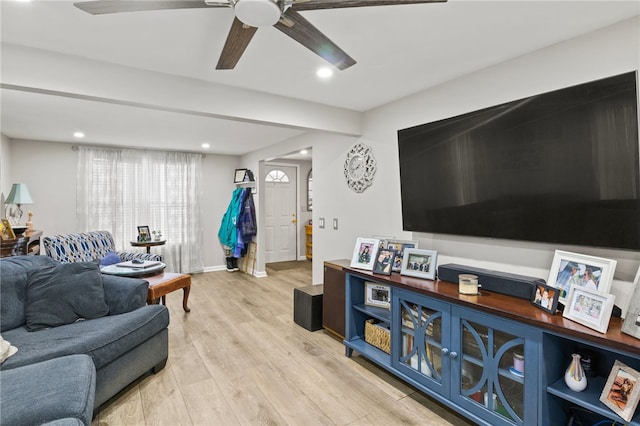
(574, 377)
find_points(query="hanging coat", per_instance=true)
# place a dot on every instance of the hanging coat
(228, 231)
(245, 224)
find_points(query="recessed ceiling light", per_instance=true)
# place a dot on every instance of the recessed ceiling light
(324, 72)
(303, 152)
(78, 135)
(205, 145)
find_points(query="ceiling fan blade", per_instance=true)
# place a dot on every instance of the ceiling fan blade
(336, 4)
(237, 41)
(100, 7)
(298, 28)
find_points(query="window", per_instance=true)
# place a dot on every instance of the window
(277, 175)
(120, 189)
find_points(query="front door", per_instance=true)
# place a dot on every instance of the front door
(280, 213)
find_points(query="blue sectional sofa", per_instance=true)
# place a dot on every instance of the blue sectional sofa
(57, 392)
(50, 309)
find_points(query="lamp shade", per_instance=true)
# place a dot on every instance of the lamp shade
(19, 195)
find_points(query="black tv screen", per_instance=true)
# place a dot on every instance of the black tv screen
(559, 167)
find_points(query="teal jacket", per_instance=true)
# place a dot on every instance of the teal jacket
(228, 231)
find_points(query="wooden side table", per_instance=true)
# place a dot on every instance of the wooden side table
(27, 243)
(163, 284)
(148, 244)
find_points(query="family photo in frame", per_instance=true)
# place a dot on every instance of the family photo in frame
(590, 272)
(419, 263)
(545, 297)
(622, 390)
(384, 261)
(398, 246)
(589, 308)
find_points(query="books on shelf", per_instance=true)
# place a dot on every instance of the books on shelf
(138, 265)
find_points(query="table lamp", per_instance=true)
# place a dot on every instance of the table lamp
(19, 195)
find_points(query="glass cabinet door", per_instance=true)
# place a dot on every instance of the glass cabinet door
(488, 375)
(492, 370)
(420, 351)
(421, 339)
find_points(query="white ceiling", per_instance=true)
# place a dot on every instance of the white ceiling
(399, 50)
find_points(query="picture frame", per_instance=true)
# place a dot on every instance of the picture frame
(631, 323)
(419, 263)
(239, 175)
(399, 246)
(582, 270)
(384, 261)
(377, 295)
(589, 308)
(144, 234)
(364, 253)
(7, 231)
(621, 393)
(545, 297)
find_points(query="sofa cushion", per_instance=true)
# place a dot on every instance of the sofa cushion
(47, 391)
(13, 287)
(64, 293)
(104, 339)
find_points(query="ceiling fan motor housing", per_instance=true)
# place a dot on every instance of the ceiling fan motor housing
(257, 13)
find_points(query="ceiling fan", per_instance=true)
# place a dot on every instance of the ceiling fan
(252, 14)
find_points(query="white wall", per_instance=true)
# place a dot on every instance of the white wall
(377, 211)
(5, 170)
(49, 170)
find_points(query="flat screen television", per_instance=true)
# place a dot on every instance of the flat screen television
(559, 167)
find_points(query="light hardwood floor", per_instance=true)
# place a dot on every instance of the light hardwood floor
(239, 359)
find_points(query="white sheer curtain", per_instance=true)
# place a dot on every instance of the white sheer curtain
(121, 189)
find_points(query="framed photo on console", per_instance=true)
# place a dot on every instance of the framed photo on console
(364, 253)
(419, 263)
(377, 295)
(384, 261)
(399, 246)
(546, 298)
(631, 324)
(589, 308)
(622, 390)
(590, 272)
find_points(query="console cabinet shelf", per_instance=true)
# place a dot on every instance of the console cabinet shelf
(461, 350)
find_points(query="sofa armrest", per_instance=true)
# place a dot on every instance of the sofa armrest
(124, 294)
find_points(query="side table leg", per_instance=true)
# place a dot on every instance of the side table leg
(185, 297)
